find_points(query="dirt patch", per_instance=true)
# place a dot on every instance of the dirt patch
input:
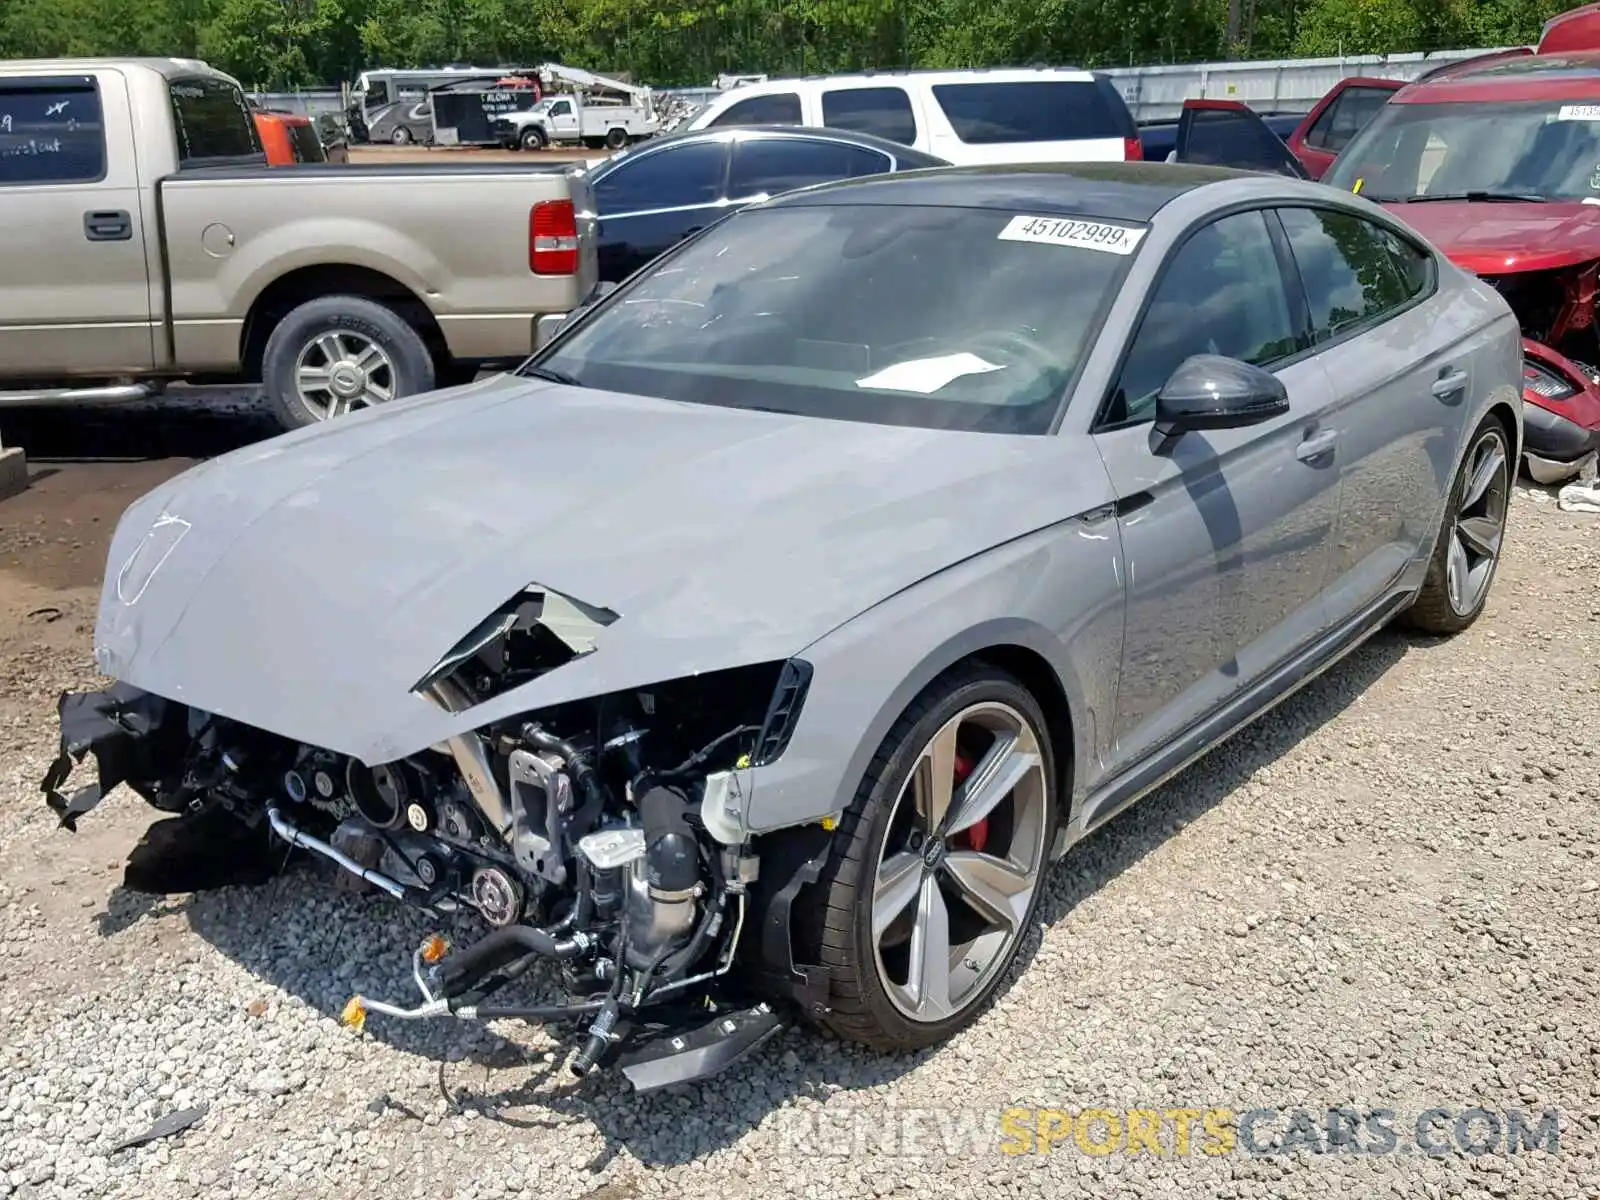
(53, 542)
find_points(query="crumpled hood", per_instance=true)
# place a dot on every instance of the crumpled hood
(305, 584)
(1499, 238)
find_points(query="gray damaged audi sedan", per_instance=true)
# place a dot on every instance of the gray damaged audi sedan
(756, 647)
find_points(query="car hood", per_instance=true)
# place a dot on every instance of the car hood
(304, 585)
(1500, 238)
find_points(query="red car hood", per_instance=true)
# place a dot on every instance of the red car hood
(1494, 238)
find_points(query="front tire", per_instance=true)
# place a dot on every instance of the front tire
(936, 868)
(1466, 554)
(533, 138)
(336, 354)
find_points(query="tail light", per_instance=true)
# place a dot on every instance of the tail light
(1132, 149)
(553, 238)
(1546, 383)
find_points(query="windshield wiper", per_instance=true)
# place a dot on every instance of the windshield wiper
(551, 375)
(1482, 198)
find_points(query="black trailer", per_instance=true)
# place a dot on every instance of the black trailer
(464, 114)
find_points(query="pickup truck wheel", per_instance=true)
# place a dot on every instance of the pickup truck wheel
(533, 138)
(401, 136)
(616, 138)
(339, 353)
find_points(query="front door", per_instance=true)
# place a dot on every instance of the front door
(75, 285)
(650, 201)
(1225, 532)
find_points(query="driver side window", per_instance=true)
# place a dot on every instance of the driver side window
(1222, 293)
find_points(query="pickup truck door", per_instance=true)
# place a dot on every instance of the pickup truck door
(1338, 117)
(75, 282)
(563, 120)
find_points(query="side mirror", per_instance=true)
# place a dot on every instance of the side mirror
(1210, 391)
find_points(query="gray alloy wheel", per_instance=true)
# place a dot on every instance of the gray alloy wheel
(1467, 551)
(1479, 523)
(947, 911)
(934, 870)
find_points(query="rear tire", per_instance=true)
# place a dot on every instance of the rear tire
(892, 899)
(616, 138)
(335, 354)
(401, 136)
(1466, 553)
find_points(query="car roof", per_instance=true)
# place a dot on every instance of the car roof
(1132, 191)
(902, 153)
(172, 68)
(1574, 76)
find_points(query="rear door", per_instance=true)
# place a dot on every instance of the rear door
(1338, 117)
(652, 199)
(75, 289)
(886, 112)
(1040, 117)
(1226, 133)
(1399, 356)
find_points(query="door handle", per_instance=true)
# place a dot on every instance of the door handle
(1451, 382)
(1316, 446)
(108, 225)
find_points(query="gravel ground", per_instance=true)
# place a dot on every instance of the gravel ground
(1383, 895)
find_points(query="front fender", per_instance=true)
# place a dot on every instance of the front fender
(1056, 592)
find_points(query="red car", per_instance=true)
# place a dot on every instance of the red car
(1497, 162)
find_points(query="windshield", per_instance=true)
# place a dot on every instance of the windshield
(945, 318)
(1534, 150)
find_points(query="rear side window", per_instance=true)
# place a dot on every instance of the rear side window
(51, 131)
(672, 177)
(213, 122)
(781, 108)
(1343, 119)
(882, 111)
(780, 164)
(1414, 267)
(1041, 111)
(1348, 267)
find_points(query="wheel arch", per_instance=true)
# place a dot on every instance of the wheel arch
(296, 287)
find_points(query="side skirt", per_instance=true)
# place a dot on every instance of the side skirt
(1143, 777)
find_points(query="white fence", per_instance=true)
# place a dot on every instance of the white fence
(1282, 85)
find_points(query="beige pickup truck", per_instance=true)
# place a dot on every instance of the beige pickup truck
(146, 242)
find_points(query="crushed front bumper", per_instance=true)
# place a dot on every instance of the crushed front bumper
(130, 733)
(1560, 414)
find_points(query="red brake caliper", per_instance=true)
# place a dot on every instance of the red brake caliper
(977, 835)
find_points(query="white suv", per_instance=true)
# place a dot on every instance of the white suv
(964, 117)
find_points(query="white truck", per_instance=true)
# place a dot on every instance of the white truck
(597, 112)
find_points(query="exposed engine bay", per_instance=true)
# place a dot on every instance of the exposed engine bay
(576, 833)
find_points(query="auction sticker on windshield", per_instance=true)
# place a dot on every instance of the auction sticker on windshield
(1081, 235)
(1579, 112)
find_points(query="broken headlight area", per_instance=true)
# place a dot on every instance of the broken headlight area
(576, 832)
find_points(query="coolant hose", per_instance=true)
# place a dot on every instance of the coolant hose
(582, 774)
(484, 955)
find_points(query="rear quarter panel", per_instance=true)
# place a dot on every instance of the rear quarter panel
(458, 241)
